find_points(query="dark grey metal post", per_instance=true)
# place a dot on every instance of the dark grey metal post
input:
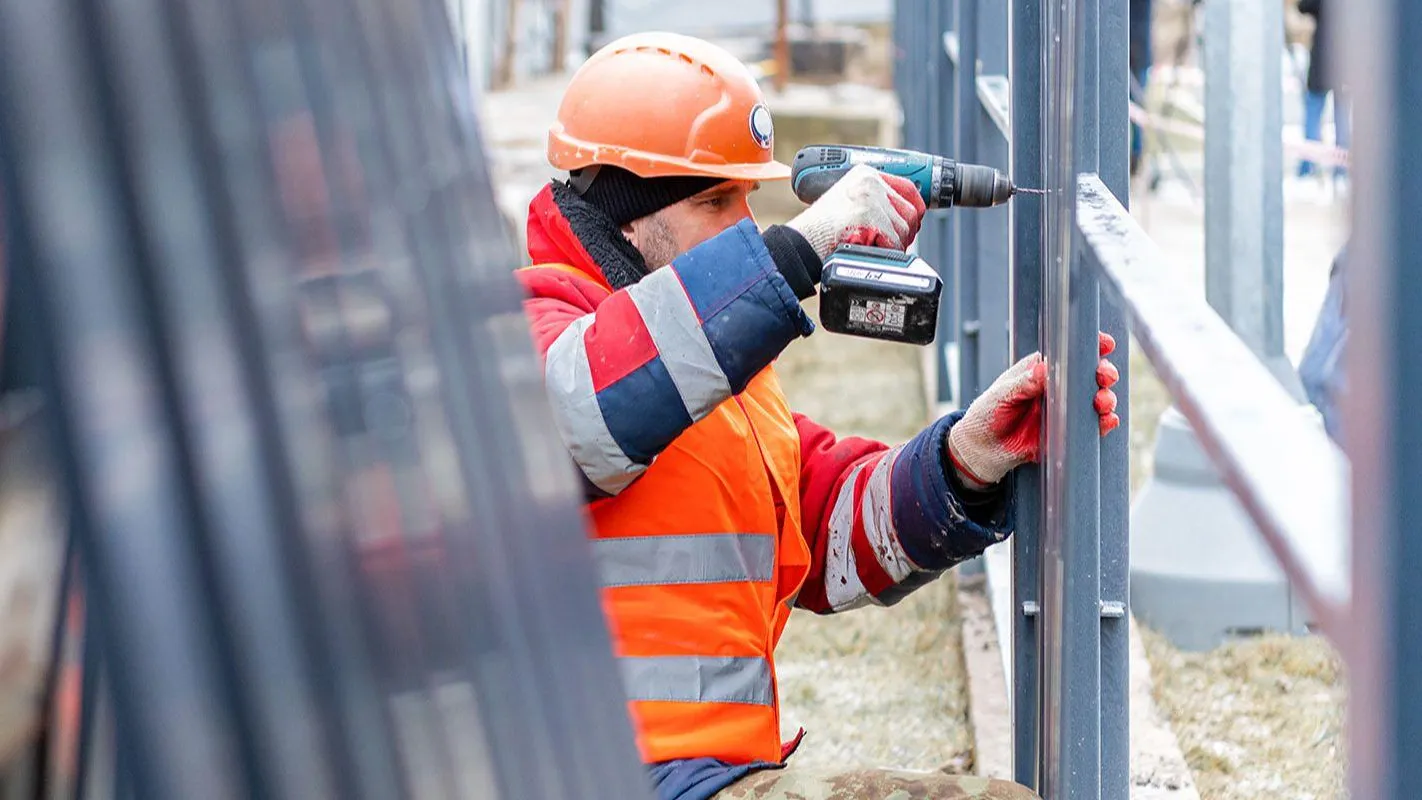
(1244, 219)
(1025, 79)
(964, 227)
(1113, 167)
(992, 223)
(939, 224)
(1071, 555)
(1382, 428)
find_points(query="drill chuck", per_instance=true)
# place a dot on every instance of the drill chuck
(976, 186)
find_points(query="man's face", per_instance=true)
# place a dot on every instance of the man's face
(663, 236)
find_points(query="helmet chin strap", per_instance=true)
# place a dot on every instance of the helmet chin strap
(581, 179)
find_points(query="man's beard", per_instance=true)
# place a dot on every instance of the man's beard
(656, 242)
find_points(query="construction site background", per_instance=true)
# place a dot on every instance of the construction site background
(875, 687)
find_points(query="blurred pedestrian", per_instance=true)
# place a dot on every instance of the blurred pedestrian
(1321, 368)
(1320, 84)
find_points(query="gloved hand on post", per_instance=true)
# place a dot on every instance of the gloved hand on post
(866, 207)
(1002, 429)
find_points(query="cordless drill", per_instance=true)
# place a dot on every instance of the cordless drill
(879, 292)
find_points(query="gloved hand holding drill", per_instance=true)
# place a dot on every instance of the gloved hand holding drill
(865, 206)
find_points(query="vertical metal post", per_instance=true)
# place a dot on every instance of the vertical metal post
(1027, 232)
(1244, 220)
(934, 239)
(1382, 428)
(992, 223)
(964, 227)
(1070, 553)
(938, 226)
(1113, 148)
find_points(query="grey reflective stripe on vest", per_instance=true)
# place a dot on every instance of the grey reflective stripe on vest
(697, 558)
(698, 679)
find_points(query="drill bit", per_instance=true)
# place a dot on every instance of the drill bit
(1025, 190)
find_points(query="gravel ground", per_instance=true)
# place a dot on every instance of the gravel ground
(874, 687)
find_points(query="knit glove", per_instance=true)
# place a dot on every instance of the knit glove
(863, 207)
(1002, 429)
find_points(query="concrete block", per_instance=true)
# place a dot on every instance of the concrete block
(1200, 571)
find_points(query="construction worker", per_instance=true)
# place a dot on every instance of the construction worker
(659, 308)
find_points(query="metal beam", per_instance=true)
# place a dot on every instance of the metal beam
(1285, 470)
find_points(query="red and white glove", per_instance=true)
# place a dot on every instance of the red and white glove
(863, 207)
(1002, 429)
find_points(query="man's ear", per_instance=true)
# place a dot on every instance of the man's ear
(630, 233)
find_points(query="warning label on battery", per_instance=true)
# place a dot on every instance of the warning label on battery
(878, 314)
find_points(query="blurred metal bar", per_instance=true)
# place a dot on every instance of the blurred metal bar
(132, 518)
(1028, 238)
(1287, 473)
(996, 95)
(274, 687)
(1244, 206)
(337, 283)
(252, 139)
(966, 255)
(1113, 166)
(1382, 429)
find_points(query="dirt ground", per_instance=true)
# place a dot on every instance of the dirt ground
(873, 687)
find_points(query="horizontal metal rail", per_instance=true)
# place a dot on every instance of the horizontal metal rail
(995, 94)
(1289, 476)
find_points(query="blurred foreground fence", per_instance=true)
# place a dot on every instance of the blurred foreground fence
(328, 543)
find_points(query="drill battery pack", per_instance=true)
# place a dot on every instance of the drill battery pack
(879, 293)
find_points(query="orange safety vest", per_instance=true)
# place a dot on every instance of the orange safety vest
(700, 560)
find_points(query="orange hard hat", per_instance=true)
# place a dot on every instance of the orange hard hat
(663, 104)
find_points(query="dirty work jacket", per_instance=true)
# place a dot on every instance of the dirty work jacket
(716, 509)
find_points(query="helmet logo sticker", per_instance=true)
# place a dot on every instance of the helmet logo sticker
(761, 127)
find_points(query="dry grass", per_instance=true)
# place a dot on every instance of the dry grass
(1256, 718)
